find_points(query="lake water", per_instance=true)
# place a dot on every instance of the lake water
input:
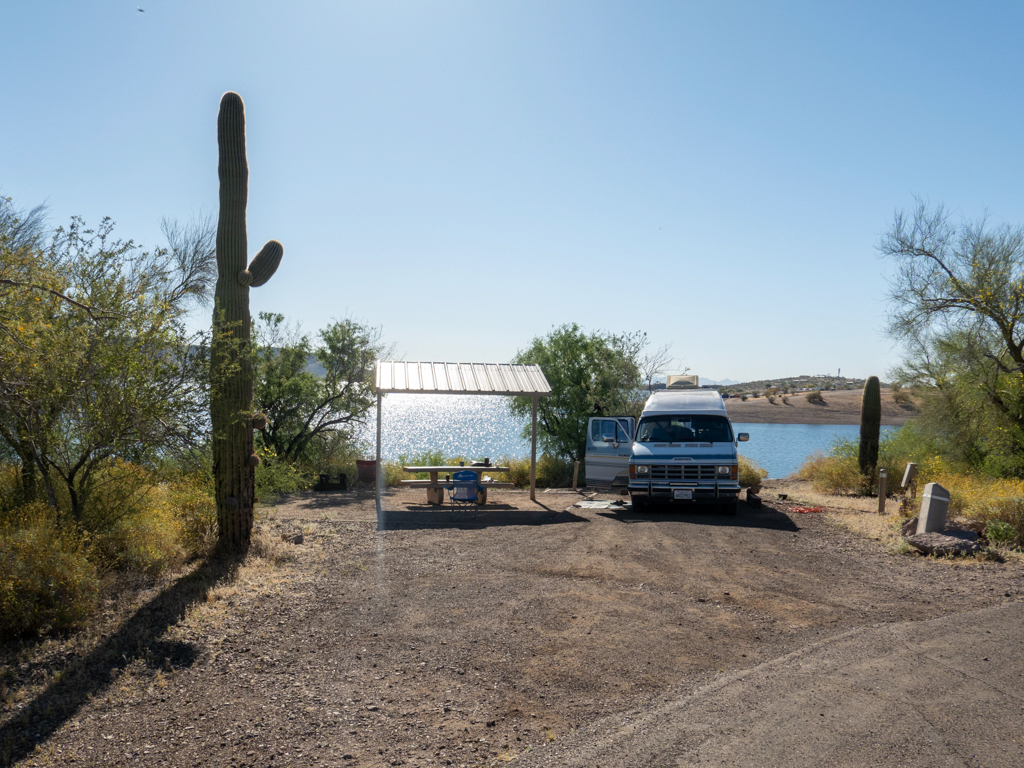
(476, 426)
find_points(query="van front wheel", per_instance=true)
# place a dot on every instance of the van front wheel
(639, 503)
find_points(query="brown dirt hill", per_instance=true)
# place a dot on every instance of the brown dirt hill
(840, 407)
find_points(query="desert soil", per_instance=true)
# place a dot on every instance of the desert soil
(841, 407)
(431, 643)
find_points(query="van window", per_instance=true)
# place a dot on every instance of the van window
(665, 428)
(601, 427)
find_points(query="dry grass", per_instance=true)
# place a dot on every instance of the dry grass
(803, 492)
(870, 525)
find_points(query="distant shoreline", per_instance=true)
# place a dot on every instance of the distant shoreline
(841, 407)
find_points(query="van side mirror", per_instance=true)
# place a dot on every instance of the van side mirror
(743, 437)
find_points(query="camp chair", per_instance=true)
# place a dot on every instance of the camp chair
(463, 493)
(366, 472)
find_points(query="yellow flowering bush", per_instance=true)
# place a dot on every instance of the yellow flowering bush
(46, 578)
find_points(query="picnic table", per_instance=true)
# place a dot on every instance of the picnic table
(436, 486)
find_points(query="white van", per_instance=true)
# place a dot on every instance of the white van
(682, 451)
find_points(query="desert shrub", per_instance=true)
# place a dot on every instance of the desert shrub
(393, 473)
(275, 476)
(1004, 534)
(839, 471)
(743, 398)
(552, 472)
(814, 397)
(518, 471)
(119, 491)
(833, 474)
(770, 398)
(147, 543)
(903, 446)
(191, 498)
(785, 399)
(136, 524)
(751, 474)
(974, 495)
(46, 578)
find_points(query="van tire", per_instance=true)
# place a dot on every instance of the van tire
(639, 503)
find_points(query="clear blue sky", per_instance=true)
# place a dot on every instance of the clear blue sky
(468, 175)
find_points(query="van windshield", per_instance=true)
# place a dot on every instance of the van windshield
(665, 428)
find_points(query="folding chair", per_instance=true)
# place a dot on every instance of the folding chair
(463, 494)
(366, 472)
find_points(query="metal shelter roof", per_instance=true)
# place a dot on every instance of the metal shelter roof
(462, 378)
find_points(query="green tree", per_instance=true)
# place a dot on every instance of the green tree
(593, 374)
(99, 365)
(307, 406)
(957, 306)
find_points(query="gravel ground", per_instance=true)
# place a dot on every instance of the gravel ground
(432, 643)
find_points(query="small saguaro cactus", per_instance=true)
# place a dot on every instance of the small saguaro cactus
(870, 425)
(231, 372)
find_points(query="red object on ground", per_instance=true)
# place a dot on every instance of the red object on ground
(805, 510)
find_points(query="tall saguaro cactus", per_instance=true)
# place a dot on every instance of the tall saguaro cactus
(870, 425)
(231, 373)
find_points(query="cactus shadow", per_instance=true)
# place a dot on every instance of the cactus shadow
(140, 637)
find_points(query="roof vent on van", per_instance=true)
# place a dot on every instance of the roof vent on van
(682, 382)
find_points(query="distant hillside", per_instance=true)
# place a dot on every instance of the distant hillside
(794, 384)
(835, 407)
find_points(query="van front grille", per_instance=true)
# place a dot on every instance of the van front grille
(683, 471)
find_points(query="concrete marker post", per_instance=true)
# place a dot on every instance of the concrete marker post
(934, 506)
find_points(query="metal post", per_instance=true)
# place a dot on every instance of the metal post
(533, 452)
(378, 471)
(882, 477)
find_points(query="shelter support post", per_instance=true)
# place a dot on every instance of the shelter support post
(378, 473)
(533, 451)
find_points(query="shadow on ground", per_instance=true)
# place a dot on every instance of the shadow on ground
(745, 517)
(140, 637)
(491, 515)
(314, 501)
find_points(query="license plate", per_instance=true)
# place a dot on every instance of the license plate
(680, 494)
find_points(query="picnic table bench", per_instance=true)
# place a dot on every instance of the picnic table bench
(436, 487)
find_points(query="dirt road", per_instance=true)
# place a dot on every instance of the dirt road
(473, 644)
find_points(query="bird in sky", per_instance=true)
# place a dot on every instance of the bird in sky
(141, 10)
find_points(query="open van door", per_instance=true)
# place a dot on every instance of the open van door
(609, 442)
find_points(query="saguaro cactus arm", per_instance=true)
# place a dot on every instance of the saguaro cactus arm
(263, 265)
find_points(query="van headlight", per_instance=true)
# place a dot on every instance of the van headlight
(725, 469)
(642, 469)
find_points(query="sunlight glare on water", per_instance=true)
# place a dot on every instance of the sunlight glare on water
(473, 426)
